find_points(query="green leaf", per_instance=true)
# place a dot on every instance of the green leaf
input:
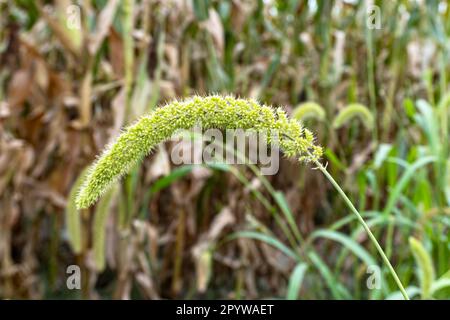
(412, 291)
(337, 290)
(447, 186)
(272, 241)
(381, 154)
(282, 203)
(174, 175)
(99, 228)
(73, 216)
(440, 284)
(347, 242)
(334, 159)
(201, 9)
(404, 180)
(296, 280)
(408, 105)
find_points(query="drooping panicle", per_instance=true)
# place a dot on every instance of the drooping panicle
(222, 112)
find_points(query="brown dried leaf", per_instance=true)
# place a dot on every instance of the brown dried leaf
(20, 87)
(61, 32)
(116, 53)
(214, 26)
(222, 220)
(160, 165)
(105, 19)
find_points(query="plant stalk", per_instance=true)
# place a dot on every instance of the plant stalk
(365, 226)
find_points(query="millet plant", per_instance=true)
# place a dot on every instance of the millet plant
(222, 112)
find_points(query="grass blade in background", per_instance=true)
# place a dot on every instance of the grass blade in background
(99, 228)
(73, 216)
(295, 281)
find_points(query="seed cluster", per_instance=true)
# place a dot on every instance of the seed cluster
(222, 112)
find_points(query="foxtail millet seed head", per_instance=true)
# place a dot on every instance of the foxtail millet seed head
(221, 112)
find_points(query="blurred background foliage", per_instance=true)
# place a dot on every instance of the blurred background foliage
(73, 73)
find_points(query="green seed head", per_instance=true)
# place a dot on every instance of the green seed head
(352, 111)
(309, 110)
(221, 112)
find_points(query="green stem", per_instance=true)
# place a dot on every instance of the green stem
(365, 226)
(128, 54)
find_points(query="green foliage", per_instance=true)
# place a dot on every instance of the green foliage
(296, 280)
(99, 228)
(73, 217)
(209, 112)
(347, 242)
(269, 239)
(442, 283)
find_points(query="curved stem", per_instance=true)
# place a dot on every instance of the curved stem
(365, 226)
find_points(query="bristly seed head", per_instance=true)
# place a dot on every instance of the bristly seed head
(221, 112)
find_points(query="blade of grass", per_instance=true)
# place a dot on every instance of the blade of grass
(270, 240)
(347, 242)
(99, 228)
(296, 280)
